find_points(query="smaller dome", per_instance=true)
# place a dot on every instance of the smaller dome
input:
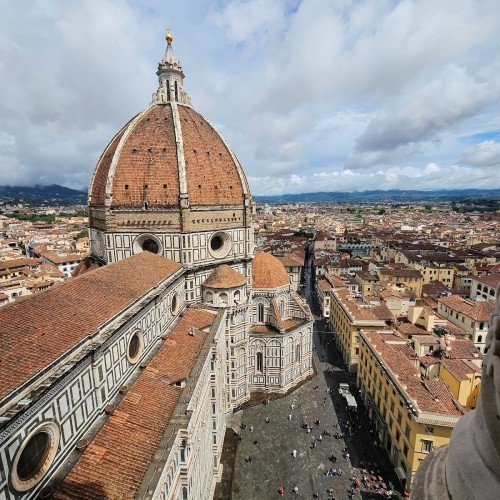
(224, 276)
(268, 272)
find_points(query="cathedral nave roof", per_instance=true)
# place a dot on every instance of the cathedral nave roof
(37, 331)
(115, 462)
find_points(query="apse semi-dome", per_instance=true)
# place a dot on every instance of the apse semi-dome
(169, 183)
(268, 272)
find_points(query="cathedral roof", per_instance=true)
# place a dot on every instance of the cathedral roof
(268, 272)
(132, 435)
(57, 320)
(224, 276)
(168, 152)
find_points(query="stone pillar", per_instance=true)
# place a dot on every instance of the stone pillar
(469, 467)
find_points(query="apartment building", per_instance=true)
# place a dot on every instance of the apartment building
(470, 315)
(348, 316)
(411, 415)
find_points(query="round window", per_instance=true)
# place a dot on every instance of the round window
(216, 243)
(35, 456)
(220, 245)
(147, 242)
(174, 305)
(135, 347)
(150, 245)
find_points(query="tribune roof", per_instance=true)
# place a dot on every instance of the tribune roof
(268, 272)
(224, 276)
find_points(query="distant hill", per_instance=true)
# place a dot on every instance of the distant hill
(53, 194)
(379, 196)
(56, 194)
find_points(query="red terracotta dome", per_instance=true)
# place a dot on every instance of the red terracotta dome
(268, 272)
(166, 152)
(224, 276)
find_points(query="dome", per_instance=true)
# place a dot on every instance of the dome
(167, 152)
(268, 272)
(168, 183)
(224, 276)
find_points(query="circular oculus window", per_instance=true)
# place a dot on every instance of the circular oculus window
(135, 347)
(150, 245)
(147, 243)
(220, 245)
(35, 456)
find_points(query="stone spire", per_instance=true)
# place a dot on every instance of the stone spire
(170, 77)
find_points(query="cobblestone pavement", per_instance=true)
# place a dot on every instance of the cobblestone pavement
(271, 445)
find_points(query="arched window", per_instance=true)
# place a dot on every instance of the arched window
(209, 297)
(168, 90)
(176, 91)
(282, 308)
(223, 299)
(259, 362)
(184, 493)
(479, 338)
(237, 296)
(297, 353)
(261, 313)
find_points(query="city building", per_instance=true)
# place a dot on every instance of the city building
(470, 315)
(411, 415)
(348, 316)
(120, 382)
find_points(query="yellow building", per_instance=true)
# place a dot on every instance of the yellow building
(430, 273)
(348, 316)
(463, 379)
(411, 415)
(402, 276)
(367, 281)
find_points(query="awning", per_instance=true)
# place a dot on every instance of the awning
(400, 473)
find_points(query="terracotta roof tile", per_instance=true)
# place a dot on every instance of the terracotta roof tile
(38, 330)
(115, 462)
(224, 276)
(268, 272)
(477, 310)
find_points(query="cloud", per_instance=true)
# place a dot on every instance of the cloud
(486, 153)
(440, 105)
(308, 93)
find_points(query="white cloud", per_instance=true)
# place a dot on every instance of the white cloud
(311, 94)
(486, 153)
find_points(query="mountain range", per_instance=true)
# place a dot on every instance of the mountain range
(64, 195)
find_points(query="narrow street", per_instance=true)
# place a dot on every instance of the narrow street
(281, 452)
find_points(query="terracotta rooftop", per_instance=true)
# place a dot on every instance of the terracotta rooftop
(477, 310)
(490, 279)
(18, 263)
(144, 154)
(116, 461)
(37, 331)
(290, 260)
(430, 396)
(268, 272)
(224, 276)
(459, 368)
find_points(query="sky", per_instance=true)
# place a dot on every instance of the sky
(312, 95)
